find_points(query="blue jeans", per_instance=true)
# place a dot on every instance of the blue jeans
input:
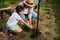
(34, 15)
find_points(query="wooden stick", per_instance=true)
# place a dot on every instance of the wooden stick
(38, 14)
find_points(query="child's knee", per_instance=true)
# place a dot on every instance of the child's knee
(18, 30)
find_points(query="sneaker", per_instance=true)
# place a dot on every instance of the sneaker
(9, 33)
(1, 29)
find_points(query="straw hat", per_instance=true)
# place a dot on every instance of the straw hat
(29, 2)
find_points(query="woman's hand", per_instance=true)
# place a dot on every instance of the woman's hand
(30, 25)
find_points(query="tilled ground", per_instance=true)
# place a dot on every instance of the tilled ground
(47, 27)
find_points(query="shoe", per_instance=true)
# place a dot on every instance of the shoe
(1, 30)
(9, 33)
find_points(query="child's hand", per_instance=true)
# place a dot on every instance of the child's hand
(28, 22)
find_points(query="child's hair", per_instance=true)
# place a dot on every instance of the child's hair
(19, 8)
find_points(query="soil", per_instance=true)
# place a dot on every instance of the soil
(47, 27)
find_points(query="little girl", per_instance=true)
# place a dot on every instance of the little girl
(12, 23)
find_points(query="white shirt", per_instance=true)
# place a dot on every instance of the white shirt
(27, 10)
(14, 18)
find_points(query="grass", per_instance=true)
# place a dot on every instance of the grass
(56, 8)
(33, 21)
(58, 38)
(6, 3)
(42, 9)
(58, 30)
(0, 26)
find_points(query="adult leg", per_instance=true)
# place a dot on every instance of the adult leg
(22, 16)
(34, 15)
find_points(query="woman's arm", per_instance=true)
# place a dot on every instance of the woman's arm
(30, 14)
